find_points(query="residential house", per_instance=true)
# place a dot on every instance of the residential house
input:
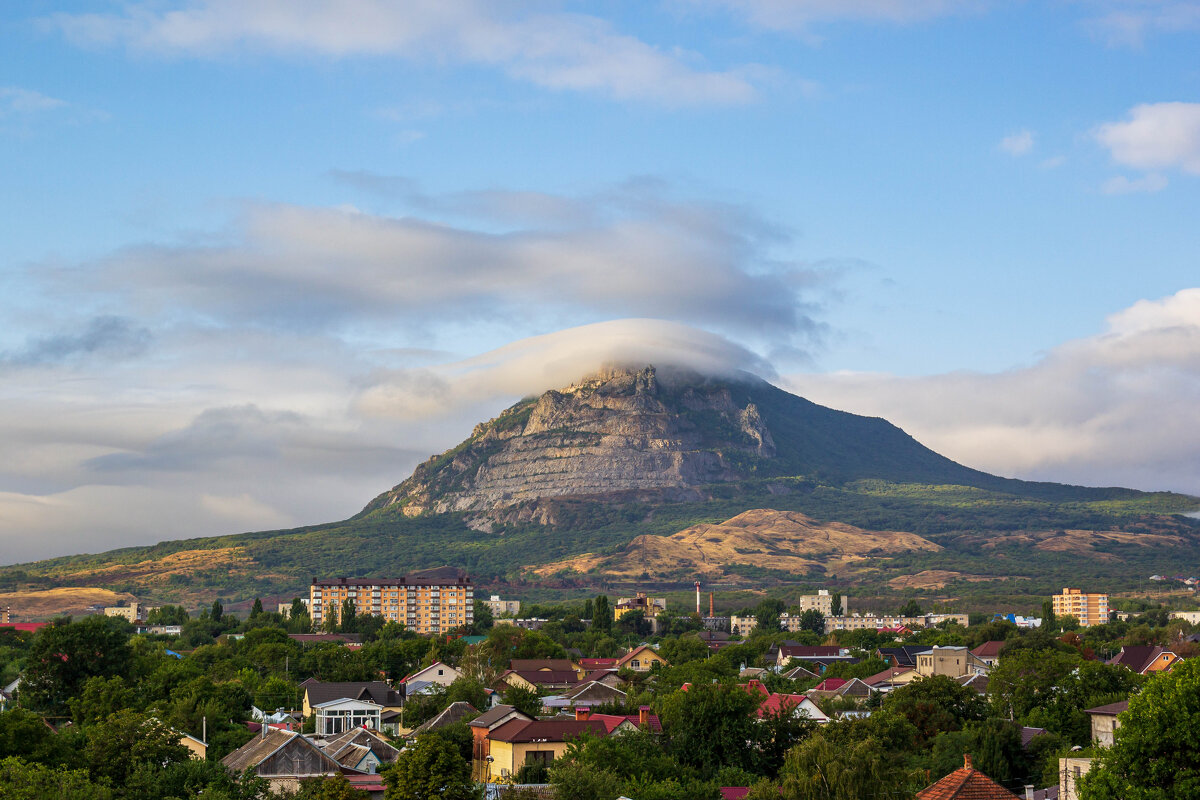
(965, 782)
(1144, 659)
(480, 727)
(519, 742)
(799, 674)
(547, 665)
(892, 678)
(592, 664)
(352, 641)
(377, 692)
(617, 724)
(977, 682)
(902, 655)
(841, 687)
(951, 661)
(503, 608)
(455, 712)
(338, 716)
(436, 673)
(1070, 770)
(742, 625)
(543, 674)
(781, 654)
(774, 703)
(989, 653)
(1105, 722)
(283, 759)
(641, 659)
(196, 747)
(591, 694)
(361, 750)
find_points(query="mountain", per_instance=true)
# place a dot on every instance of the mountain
(639, 478)
(673, 436)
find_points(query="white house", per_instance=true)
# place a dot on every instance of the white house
(338, 716)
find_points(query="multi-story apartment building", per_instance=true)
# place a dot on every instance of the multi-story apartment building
(821, 601)
(425, 603)
(650, 606)
(503, 608)
(1089, 609)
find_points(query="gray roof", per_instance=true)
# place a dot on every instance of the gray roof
(493, 716)
(260, 748)
(455, 712)
(376, 692)
(361, 737)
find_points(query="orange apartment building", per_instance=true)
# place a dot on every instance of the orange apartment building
(425, 603)
(1089, 609)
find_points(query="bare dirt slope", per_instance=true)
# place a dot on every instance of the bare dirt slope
(780, 540)
(42, 604)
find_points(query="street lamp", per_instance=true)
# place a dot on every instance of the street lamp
(488, 777)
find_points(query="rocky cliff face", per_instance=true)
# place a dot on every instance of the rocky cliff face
(618, 431)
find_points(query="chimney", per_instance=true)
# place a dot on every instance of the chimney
(710, 604)
(967, 761)
(1029, 791)
(643, 716)
(582, 713)
(697, 598)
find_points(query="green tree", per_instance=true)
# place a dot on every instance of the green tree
(812, 620)
(936, 704)
(217, 611)
(167, 615)
(527, 701)
(1049, 623)
(335, 788)
(602, 618)
(347, 615)
(710, 725)
(819, 769)
(433, 769)
(256, 610)
(1156, 750)
(766, 615)
(101, 697)
(482, 618)
(126, 740)
(63, 656)
(1027, 679)
(911, 609)
(20, 780)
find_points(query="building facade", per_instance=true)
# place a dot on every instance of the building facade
(650, 606)
(822, 601)
(1089, 609)
(503, 608)
(422, 604)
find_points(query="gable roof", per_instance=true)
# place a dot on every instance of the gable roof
(811, 651)
(977, 682)
(597, 663)
(887, 675)
(361, 737)
(541, 664)
(376, 692)
(988, 650)
(493, 716)
(542, 677)
(546, 730)
(614, 721)
(423, 670)
(260, 748)
(455, 712)
(903, 655)
(965, 783)
(625, 659)
(1139, 657)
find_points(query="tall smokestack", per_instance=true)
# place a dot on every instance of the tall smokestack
(697, 598)
(710, 604)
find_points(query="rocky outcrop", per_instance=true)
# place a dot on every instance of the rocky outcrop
(618, 431)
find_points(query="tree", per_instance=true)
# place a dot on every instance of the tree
(346, 618)
(710, 725)
(20, 780)
(936, 704)
(127, 740)
(911, 609)
(1027, 679)
(819, 769)
(835, 604)
(1155, 753)
(433, 768)
(335, 788)
(602, 618)
(63, 656)
(527, 701)
(101, 697)
(483, 619)
(812, 620)
(256, 610)
(167, 615)
(766, 615)
(298, 609)
(1049, 623)
(217, 611)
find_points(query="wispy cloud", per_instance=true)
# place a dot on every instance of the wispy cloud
(1018, 144)
(799, 16)
(1146, 184)
(15, 100)
(1128, 23)
(552, 49)
(1118, 408)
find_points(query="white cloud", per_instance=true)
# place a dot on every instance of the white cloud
(556, 50)
(797, 16)
(1146, 184)
(1018, 144)
(1119, 408)
(1156, 136)
(1127, 23)
(15, 100)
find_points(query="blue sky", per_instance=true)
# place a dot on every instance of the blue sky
(255, 238)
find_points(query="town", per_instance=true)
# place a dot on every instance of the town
(414, 687)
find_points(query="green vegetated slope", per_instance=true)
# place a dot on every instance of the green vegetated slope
(830, 465)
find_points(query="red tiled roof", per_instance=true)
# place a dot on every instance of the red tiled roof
(776, 703)
(545, 730)
(830, 685)
(965, 783)
(1139, 657)
(542, 664)
(885, 676)
(612, 721)
(597, 663)
(988, 650)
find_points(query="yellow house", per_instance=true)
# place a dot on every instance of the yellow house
(198, 749)
(539, 741)
(641, 659)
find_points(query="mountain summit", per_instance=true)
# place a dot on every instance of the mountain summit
(667, 435)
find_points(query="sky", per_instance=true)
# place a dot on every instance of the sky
(260, 258)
